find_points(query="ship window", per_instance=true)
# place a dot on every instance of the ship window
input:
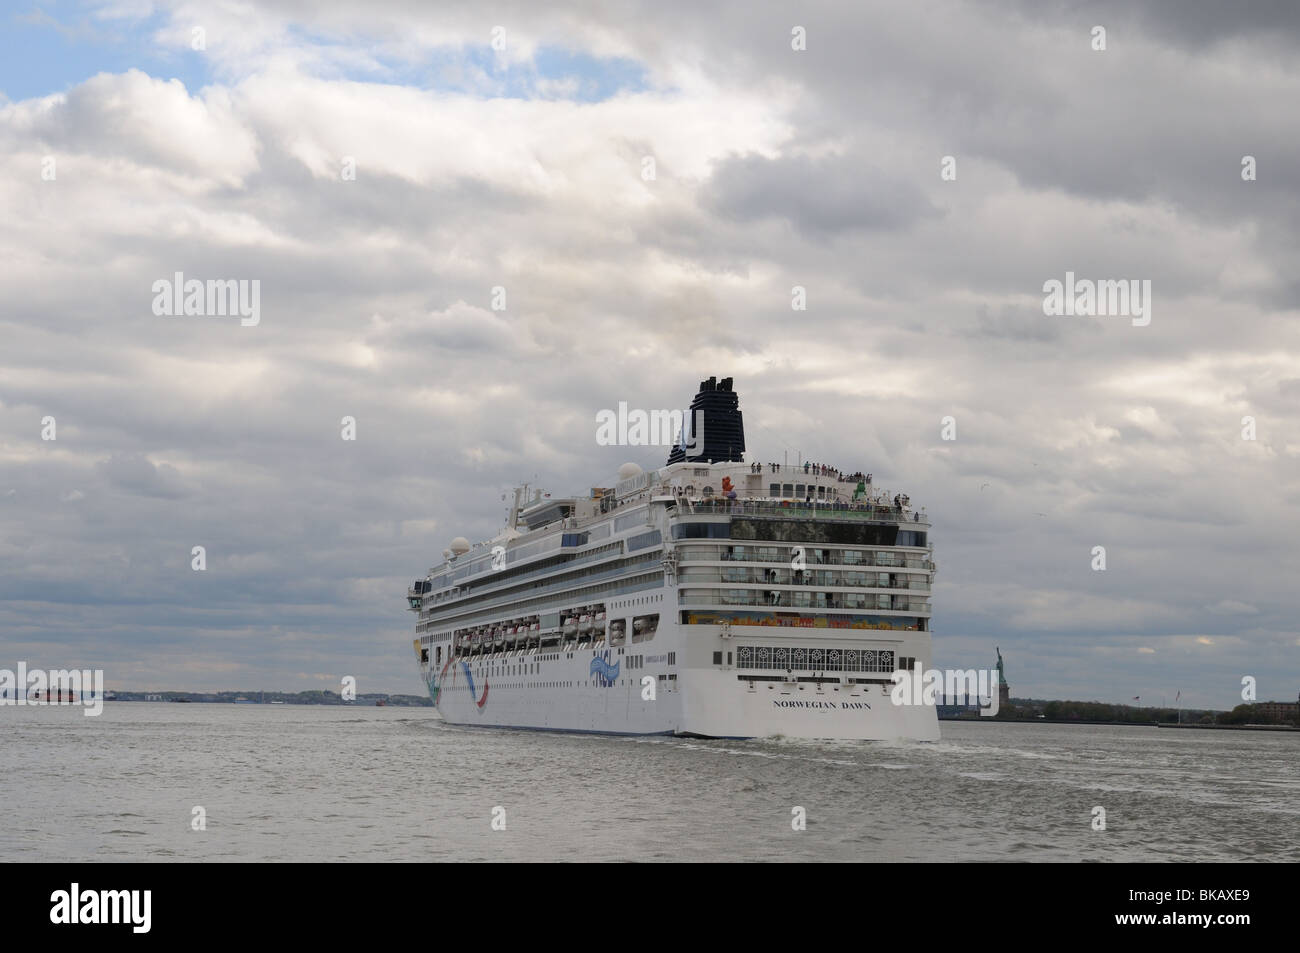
(789, 490)
(717, 658)
(700, 531)
(799, 489)
(774, 489)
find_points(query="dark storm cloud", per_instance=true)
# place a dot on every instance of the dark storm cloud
(1194, 24)
(819, 197)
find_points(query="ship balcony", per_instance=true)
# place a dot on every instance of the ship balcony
(818, 579)
(819, 510)
(688, 553)
(786, 598)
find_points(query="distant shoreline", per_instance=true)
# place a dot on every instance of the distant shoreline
(1129, 724)
(333, 699)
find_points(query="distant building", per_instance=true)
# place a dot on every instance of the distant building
(1280, 711)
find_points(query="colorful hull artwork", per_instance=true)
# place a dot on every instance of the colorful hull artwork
(601, 669)
(469, 676)
(435, 684)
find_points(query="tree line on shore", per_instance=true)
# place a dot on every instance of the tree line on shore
(1025, 709)
(314, 697)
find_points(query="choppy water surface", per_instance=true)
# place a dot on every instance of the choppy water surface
(316, 783)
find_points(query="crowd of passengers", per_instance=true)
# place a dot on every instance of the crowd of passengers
(818, 469)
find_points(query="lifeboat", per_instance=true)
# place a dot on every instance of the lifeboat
(584, 625)
(570, 626)
(598, 623)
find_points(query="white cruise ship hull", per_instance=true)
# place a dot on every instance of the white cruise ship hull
(564, 694)
(709, 597)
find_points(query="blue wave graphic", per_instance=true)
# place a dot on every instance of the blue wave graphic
(601, 667)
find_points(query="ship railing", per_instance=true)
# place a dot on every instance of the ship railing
(760, 598)
(691, 576)
(691, 554)
(882, 513)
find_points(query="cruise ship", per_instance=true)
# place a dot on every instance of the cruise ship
(710, 597)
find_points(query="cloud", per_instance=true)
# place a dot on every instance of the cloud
(524, 172)
(1232, 607)
(819, 197)
(150, 122)
(136, 473)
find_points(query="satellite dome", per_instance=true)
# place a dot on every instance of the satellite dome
(628, 470)
(460, 545)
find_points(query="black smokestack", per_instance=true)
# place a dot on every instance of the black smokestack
(724, 426)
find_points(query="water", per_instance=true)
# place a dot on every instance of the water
(318, 783)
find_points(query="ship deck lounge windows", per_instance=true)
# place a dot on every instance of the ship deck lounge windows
(720, 530)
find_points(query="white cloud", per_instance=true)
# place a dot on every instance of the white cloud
(773, 169)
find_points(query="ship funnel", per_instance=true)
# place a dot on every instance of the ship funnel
(723, 437)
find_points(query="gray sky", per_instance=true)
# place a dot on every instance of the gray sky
(523, 168)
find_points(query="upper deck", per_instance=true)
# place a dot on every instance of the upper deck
(748, 501)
